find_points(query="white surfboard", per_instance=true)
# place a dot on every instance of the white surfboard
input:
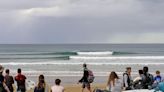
(30, 84)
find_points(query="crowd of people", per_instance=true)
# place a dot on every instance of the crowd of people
(114, 84)
(145, 81)
(7, 81)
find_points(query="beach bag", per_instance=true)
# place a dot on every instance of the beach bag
(91, 76)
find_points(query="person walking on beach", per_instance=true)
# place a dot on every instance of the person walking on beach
(9, 80)
(20, 79)
(114, 84)
(127, 79)
(57, 87)
(84, 79)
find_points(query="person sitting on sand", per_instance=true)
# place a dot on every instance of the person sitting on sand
(149, 79)
(9, 80)
(41, 85)
(20, 79)
(138, 81)
(127, 79)
(157, 78)
(84, 79)
(57, 87)
(114, 84)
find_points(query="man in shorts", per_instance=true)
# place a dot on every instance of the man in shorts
(84, 79)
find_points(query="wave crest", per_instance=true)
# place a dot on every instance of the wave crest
(95, 53)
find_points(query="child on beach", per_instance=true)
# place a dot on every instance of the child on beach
(57, 87)
(158, 77)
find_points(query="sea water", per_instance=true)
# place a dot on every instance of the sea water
(65, 60)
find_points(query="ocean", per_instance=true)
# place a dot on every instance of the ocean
(65, 60)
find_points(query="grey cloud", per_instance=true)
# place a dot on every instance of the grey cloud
(81, 21)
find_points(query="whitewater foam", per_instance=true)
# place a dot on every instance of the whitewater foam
(95, 53)
(117, 57)
(80, 63)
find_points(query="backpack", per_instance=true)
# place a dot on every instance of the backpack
(149, 80)
(91, 76)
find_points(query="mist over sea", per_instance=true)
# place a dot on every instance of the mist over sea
(65, 60)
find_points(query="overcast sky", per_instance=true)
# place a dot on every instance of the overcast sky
(81, 21)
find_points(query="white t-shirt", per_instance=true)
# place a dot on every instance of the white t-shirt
(57, 88)
(117, 87)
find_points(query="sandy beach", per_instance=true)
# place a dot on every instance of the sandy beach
(77, 87)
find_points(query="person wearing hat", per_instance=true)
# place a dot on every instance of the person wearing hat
(3, 87)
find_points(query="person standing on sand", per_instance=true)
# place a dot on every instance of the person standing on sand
(84, 79)
(3, 86)
(44, 84)
(57, 87)
(41, 85)
(9, 80)
(114, 84)
(127, 79)
(20, 79)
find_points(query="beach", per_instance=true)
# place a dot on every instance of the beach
(64, 61)
(77, 87)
